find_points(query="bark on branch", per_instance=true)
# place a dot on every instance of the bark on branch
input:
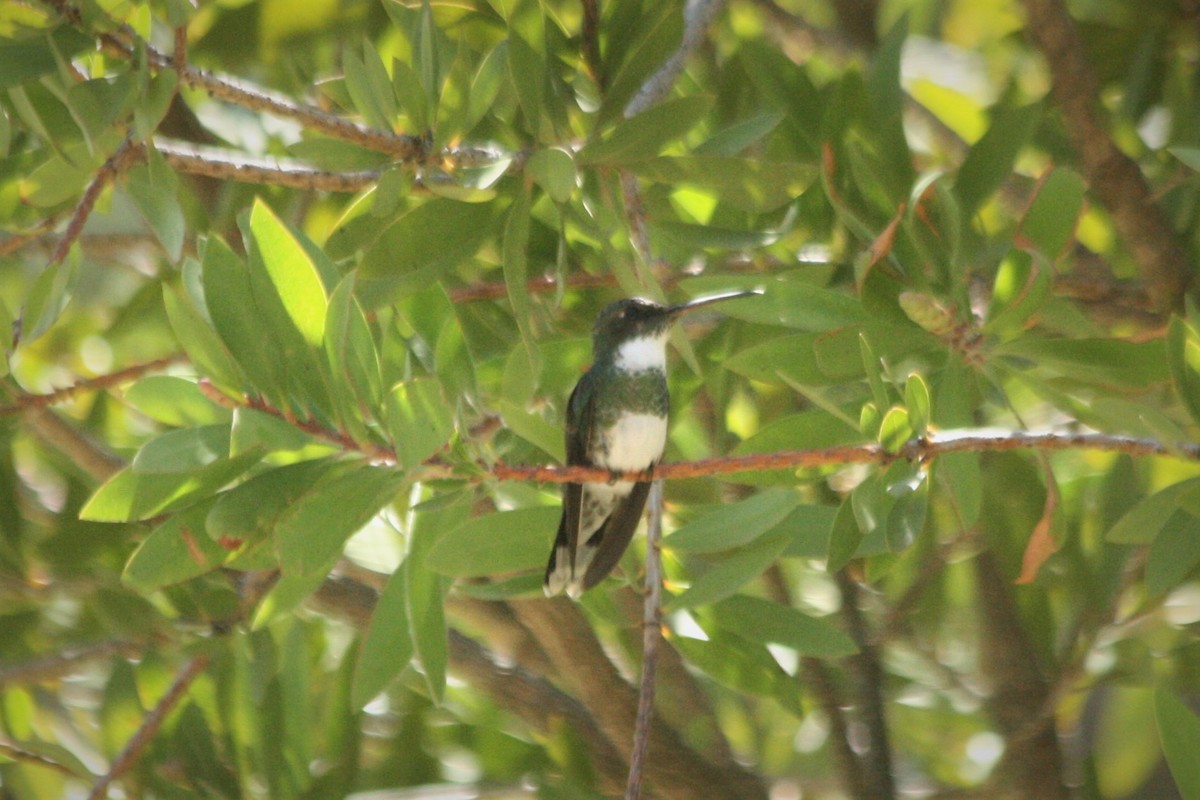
(1115, 179)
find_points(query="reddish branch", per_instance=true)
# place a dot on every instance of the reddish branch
(1114, 177)
(925, 449)
(107, 172)
(154, 720)
(99, 383)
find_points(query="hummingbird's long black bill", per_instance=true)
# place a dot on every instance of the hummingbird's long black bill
(701, 302)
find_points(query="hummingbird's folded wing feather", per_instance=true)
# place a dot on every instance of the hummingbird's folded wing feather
(613, 538)
(560, 571)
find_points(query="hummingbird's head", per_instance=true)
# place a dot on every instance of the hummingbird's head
(643, 324)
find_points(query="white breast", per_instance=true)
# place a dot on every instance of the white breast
(636, 442)
(647, 352)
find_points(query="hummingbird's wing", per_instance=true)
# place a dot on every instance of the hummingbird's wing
(610, 541)
(560, 571)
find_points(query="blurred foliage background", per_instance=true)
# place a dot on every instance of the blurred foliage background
(287, 282)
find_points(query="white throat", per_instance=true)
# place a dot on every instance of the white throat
(646, 352)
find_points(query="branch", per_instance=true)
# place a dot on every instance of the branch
(917, 450)
(59, 665)
(673, 770)
(814, 674)
(877, 760)
(651, 636)
(223, 164)
(98, 383)
(96, 460)
(15, 752)
(1115, 178)
(154, 720)
(697, 16)
(538, 703)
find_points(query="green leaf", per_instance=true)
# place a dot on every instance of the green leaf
(516, 259)
(155, 189)
(789, 301)
(809, 430)
(735, 138)
(765, 622)
(237, 318)
(1106, 362)
(173, 401)
(131, 495)
(1142, 523)
(844, 539)
(258, 430)
(247, 513)
(427, 589)
(990, 160)
(1188, 155)
(823, 359)
(315, 528)
(811, 527)
(527, 75)
(24, 60)
(387, 647)
(436, 235)
(1183, 358)
(907, 515)
(553, 169)
(644, 135)
(1179, 733)
(896, 430)
(152, 107)
(734, 525)
(732, 664)
(1023, 284)
(50, 294)
(732, 572)
(1050, 219)
(534, 429)
(175, 551)
(185, 450)
(203, 346)
(420, 419)
(749, 185)
(496, 544)
(917, 404)
(1174, 553)
(292, 272)
(369, 86)
(353, 360)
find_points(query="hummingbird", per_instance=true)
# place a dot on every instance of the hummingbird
(616, 420)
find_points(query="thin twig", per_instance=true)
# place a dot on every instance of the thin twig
(107, 172)
(53, 667)
(697, 16)
(15, 242)
(651, 636)
(223, 164)
(154, 720)
(589, 35)
(98, 383)
(18, 753)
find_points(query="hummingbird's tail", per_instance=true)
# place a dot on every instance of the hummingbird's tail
(559, 572)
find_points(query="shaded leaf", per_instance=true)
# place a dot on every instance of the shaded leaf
(734, 525)
(495, 544)
(766, 622)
